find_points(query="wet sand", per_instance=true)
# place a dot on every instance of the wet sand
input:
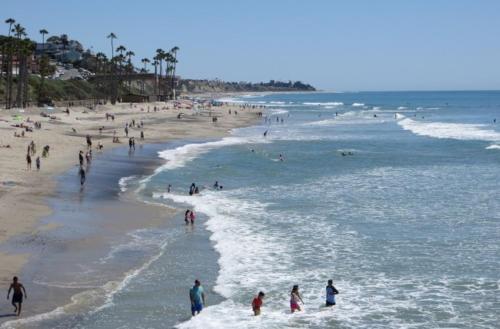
(23, 193)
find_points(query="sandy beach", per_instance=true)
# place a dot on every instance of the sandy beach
(23, 193)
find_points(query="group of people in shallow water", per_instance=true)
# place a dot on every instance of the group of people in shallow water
(197, 298)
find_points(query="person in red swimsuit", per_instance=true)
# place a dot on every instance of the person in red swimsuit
(257, 303)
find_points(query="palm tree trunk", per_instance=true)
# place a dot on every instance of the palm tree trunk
(156, 80)
(25, 82)
(19, 85)
(9, 79)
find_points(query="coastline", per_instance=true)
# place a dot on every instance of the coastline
(24, 194)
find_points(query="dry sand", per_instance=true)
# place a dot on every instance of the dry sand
(23, 193)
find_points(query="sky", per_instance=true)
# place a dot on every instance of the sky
(349, 45)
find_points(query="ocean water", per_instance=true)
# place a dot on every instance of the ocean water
(394, 196)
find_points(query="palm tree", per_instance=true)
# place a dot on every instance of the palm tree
(41, 62)
(121, 49)
(174, 51)
(168, 70)
(155, 64)
(7, 59)
(130, 68)
(100, 60)
(19, 32)
(11, 22)
(144, 61)
(43, 32)
(112, 36)
(9, 48)
(160, 56)
(27, 48)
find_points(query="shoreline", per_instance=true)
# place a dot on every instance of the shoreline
(88, 226)
(24, 194)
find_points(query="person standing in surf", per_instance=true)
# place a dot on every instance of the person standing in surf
(257, 303)
(17, 297)
(331, 291)
(197, 297)
(295, 299)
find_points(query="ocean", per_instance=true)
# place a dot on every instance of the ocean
(392, 195)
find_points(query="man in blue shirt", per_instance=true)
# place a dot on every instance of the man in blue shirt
(331, 291)
(197, 297)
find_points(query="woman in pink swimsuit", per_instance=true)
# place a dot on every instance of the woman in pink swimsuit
(295, 299)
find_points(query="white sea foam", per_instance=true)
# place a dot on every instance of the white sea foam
(278, 111)
(493, 147)
(458, 131)
(178, 157)
(123, 182)
(231, 101)
(324, 103)
(402, 108)
(358, 104)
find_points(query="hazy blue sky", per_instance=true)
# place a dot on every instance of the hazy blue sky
(335, 45)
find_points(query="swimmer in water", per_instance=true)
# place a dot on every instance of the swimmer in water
(281, 157)
(265, 133)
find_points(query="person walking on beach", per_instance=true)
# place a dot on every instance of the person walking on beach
(186, 216)
(169, 188)
(28, 161)
(17, 297)
(80, 158)
(257, 303)
(295, 299)
(37, 161)
(331, 291)
(89, 142)
(197, 297)
(192, 216)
